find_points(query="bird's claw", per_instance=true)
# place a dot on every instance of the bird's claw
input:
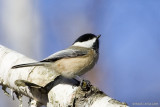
(85, 85)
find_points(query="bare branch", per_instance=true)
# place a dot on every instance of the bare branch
(48, 87)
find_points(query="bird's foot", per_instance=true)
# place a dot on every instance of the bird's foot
(84, 84)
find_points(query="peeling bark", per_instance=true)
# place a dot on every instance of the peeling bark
(46, 87)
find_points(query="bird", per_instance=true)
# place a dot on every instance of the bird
(73, 61)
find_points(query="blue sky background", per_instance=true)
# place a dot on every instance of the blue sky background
(129, 65)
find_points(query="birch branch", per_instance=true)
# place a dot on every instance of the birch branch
(46, 87)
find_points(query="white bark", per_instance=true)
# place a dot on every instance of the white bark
(47, 87)
(20, 23)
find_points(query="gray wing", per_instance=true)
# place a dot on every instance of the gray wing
(64, 54)
(54, 57)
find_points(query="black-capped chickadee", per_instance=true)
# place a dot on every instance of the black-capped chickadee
(73, 61)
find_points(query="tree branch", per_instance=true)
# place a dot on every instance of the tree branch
(48, 87)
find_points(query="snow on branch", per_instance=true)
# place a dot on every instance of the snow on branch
(46, 87)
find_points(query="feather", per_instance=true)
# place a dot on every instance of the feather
(67, 53)
(28, 65)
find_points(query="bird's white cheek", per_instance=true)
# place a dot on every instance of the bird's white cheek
(87, 44)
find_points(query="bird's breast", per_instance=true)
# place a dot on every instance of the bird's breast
(69, 67)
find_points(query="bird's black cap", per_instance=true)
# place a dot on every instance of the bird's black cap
(88, 36)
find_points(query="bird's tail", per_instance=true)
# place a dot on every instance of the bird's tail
(28, 65)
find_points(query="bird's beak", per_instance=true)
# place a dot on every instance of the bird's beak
(98, 36)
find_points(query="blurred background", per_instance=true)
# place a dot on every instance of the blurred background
(129, 65)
